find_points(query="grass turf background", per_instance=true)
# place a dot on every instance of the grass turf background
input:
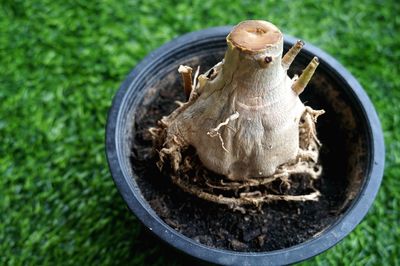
(61, 62)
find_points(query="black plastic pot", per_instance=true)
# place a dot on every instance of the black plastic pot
(337, 90)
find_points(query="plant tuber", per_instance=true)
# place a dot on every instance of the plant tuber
(246, 123)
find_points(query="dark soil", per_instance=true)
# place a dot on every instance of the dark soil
(278, 225)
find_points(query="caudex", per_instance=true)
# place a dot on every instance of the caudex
(246, 123)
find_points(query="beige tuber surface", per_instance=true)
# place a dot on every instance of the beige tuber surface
(245, 120)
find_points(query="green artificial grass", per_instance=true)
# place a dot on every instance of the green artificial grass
(61, 62)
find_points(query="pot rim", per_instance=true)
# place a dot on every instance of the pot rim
(312, 247)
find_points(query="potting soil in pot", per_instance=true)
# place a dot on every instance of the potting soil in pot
(277, 224)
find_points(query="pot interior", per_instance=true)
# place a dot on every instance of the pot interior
(342, 131)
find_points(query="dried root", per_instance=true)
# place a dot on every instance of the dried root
(193, 178)
(255, 198)
(215, 131)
